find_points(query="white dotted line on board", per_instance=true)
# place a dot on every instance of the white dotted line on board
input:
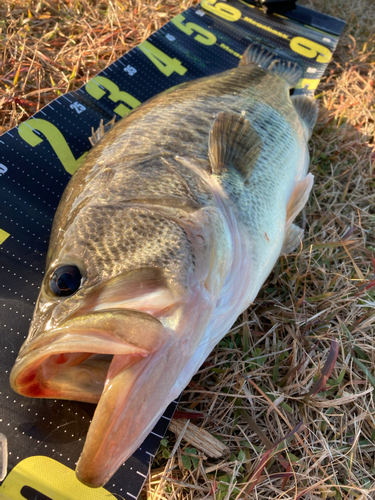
(34, 194)
(20, 277)
(81, 118)
(36, 166)
(23, 213)
(19, 258)
(21, 296)
(24, 244)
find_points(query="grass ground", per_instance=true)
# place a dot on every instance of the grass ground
(317, 305)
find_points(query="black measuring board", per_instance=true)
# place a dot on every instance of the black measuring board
(37, 159)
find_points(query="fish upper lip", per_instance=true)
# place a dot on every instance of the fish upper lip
(105, 324)
(99, 343)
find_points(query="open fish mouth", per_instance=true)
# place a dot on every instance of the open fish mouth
(75, 360)
(79, 376)
(103, 357)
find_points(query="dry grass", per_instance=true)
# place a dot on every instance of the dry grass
(321, 297)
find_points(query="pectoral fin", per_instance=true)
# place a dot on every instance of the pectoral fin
(233, 142)
(292, 239)
(298, 199)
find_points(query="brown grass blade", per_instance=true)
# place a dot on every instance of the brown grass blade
(254, 479)
(326, 371)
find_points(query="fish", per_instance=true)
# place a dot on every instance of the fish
(162, 238)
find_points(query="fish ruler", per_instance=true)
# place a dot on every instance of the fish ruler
(37, 159)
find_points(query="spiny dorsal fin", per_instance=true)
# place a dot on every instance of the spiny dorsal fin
(101, 131)
(307, 109)
(256, 54)
(233, 142)
(298, 199)
(293, 237)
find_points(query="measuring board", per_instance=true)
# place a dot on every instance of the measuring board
(37, 159)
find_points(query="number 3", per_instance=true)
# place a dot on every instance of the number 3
(115, 94)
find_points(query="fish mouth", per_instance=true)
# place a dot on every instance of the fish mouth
(124, 360)
(101, 357)
(75, 360)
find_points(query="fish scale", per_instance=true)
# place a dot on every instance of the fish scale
(147, 239)
(163, 236)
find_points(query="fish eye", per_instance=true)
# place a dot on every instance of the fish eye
(65, 280)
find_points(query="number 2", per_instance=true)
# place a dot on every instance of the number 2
(54, 137)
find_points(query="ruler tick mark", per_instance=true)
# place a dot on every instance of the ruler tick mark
(27, 125)
(143, 475)
(157, 435)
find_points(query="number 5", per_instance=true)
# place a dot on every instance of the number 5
(205, 36)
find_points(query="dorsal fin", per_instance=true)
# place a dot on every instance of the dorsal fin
(256, 54)
(101, 131)
(307, 109)
(233, 142)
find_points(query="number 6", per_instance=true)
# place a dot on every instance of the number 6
(310, 49)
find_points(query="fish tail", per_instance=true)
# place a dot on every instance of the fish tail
(257, 54)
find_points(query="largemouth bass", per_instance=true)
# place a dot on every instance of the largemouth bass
(163, 236)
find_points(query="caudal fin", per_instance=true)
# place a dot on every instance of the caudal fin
(256, 54)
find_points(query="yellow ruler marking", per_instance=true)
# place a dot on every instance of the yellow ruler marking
(3, 236)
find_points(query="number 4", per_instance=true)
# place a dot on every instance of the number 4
(164, 63)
